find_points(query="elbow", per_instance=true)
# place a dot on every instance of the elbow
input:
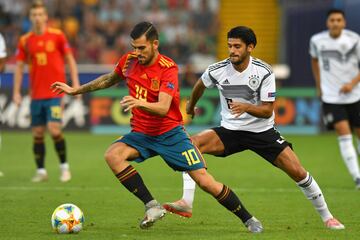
(268, 114)
(163, 111)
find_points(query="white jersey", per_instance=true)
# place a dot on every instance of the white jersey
(2, 47)
(339, 63)
(254, 85)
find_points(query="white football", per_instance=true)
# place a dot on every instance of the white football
(67, 218)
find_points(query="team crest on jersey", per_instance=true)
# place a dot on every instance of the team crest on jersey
(50, 46)
(254, 81)
(155, 84)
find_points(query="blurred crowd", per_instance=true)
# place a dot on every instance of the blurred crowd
(98, 30)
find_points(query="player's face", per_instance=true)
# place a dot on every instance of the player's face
(145, 49)
(38, 17)
(335, 23)
(238, 50)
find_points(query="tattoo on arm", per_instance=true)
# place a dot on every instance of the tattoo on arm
(104, 81)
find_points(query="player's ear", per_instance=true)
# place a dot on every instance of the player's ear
(155, 44)
(250, 47)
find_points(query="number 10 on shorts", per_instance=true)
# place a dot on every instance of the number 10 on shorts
(191, 156)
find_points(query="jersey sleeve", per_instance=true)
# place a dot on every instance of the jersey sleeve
(2, 47)
(312, 49)
(169, 82)
(64, 44)
(207, 79)
(20, 54)
(268, 89)
(120, 65)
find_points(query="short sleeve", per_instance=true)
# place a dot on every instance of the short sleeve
(312, 49)
(268, 88)
(169, 82)
(120, 65)
(64, 44)
(207, 79)
(2, 47)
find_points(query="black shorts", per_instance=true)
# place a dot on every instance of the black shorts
(333, 113)
(268, 144)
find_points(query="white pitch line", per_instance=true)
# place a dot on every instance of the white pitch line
(239, 190)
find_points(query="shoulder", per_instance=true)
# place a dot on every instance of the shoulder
(262, 66)
(55, 31)
(219, 65)
(166, 62)
(24, 38)
(351, 34)
(320, 36)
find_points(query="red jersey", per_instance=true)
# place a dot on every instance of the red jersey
(145, 83)
(45, 55)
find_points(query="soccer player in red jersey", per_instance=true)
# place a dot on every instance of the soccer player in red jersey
(45, 50)
(157, 126)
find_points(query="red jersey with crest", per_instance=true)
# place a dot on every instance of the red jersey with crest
(145, 83)
(45, 55)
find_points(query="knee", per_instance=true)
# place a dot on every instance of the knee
(109, 156)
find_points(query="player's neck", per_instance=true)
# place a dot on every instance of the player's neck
(39, 30)
(156, 54)
(242, 66)
(335, 34)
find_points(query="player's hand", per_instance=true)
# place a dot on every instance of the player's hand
(17, 98)
(60, 87)
(191, 110)
(346, 88)
(129, 102)
(238, 108)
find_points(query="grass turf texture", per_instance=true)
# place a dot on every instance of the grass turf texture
(113, 213)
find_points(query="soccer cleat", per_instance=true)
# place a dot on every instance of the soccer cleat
(40, 177)
(153, 212)
(65, 176)
(334, 224)
(357, 183)
(254, 225)
(179, 207)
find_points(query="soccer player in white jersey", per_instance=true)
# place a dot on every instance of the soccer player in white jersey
(2, 67)
(335, 62)
(247, 92)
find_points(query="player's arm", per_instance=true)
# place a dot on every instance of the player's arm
(104, 81)
(18, 77)
(74, 74)
(316, 73)
(348, 87)
(161, 107)
(264, 110)
(196, 93)
(2, 64)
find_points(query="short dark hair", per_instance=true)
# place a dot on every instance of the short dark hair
(146, 28)
(246, 34)
(335, 10)
(38, 4)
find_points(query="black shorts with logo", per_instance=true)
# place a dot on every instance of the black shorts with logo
(268, 144)
(333, 113)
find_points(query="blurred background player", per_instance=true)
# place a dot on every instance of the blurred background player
(247, 93)
(335, 64)
(157, 126)
(2, 68)
(45, 50)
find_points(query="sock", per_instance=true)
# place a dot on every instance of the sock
(133, 182)
(41, 171)
(39, 152)
(64, 166)
(313, 192)
(358, 145)
(188, 189)
(349, 155)
(60, 148)
(230, 201)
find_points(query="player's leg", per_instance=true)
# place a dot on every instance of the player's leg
(207, 142)
(289, 163)
(117, 157)
(54, 125)
(347, 148)
(357, 132)
(226, 197)
(38, 133)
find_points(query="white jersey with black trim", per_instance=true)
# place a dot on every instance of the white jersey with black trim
(2, 47)
(339, 63)
(254, 85)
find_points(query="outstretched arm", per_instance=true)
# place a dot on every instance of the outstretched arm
(104, 81)
(196, 93)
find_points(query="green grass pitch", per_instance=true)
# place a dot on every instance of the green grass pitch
(113, 213)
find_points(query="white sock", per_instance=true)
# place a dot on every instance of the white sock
(64, 166)
(188, 189)
(358, 145)
(313, 192)
(349, 155)
(41, 171)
